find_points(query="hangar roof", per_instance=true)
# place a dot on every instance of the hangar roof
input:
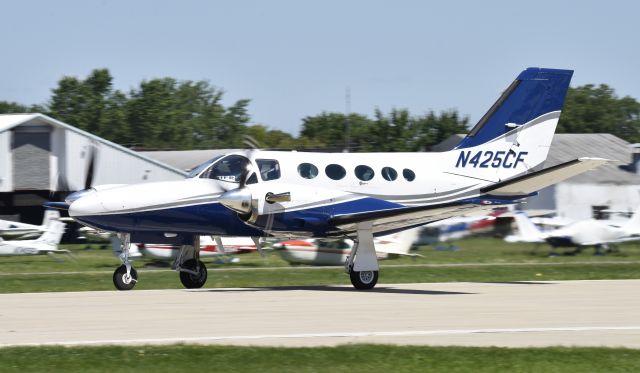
(10, 121)
(568, 146)
(185, 159)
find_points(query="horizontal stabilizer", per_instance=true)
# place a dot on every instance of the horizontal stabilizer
(529, 183)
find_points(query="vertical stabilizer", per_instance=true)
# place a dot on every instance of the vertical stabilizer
(633, 225)
(50, 215)
(515, 135)
(527, 231)
(534, 93)
(53, 235)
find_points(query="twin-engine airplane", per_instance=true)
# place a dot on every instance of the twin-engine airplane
(341, 195)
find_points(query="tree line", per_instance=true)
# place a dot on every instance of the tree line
(166, 113)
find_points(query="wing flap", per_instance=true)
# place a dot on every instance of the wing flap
(405, 216)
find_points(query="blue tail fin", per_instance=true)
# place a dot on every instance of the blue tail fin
(535, 92)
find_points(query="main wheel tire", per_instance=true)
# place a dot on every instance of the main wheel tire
(191, 281)
(363, 280)
(122, 281)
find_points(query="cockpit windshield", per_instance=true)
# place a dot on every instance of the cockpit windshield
(198, 169)
(230, 169)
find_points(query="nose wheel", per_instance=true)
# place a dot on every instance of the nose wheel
(125, 276)
(124, 280)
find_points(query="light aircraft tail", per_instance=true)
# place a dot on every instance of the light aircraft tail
(398, 243)
(50, 215)
(53, 235)
(514, 136)
(526, 229)
(633, 225)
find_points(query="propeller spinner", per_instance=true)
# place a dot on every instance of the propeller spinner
(238, 199)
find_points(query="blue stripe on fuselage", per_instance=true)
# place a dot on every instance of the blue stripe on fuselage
(205, 219)
(215, 219)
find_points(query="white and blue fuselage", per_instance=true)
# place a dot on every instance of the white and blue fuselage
(330, 194)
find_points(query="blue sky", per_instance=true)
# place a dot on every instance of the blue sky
(296, 58)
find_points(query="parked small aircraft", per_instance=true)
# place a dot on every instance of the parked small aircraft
(12, 229)
(209, 247)
(333, 252)
(281, 194)
(590, 232)
(458, 227)
(47, 243)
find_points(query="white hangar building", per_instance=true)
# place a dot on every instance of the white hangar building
(614, 186)
(44, 159)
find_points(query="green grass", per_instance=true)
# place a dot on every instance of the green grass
(346, 358)
(484, 260)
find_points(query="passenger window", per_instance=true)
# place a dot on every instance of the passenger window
(269, 169)
(335, 171)
(307, 170)
(408, 174)
(364, 173)
(389, 173)
(228, 169)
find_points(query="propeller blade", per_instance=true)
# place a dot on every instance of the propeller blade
(250, 142)
(93, 149)
(61, 185)
(56, 205)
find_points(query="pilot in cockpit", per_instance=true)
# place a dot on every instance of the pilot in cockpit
(229, 169)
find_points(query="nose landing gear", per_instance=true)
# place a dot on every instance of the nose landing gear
(123, 279)
(125, 276)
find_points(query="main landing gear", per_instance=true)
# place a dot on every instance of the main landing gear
(362, 263)
(193, 273)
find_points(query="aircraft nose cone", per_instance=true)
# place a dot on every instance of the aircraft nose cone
(77, 195)
(88, 204)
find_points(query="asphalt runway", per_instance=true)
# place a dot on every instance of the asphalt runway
(570, 313)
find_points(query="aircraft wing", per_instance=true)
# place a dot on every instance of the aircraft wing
(401, 218)
(619, 240)
(413, 216)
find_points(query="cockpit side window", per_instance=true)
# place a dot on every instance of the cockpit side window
(228, 169)
(269, 169)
